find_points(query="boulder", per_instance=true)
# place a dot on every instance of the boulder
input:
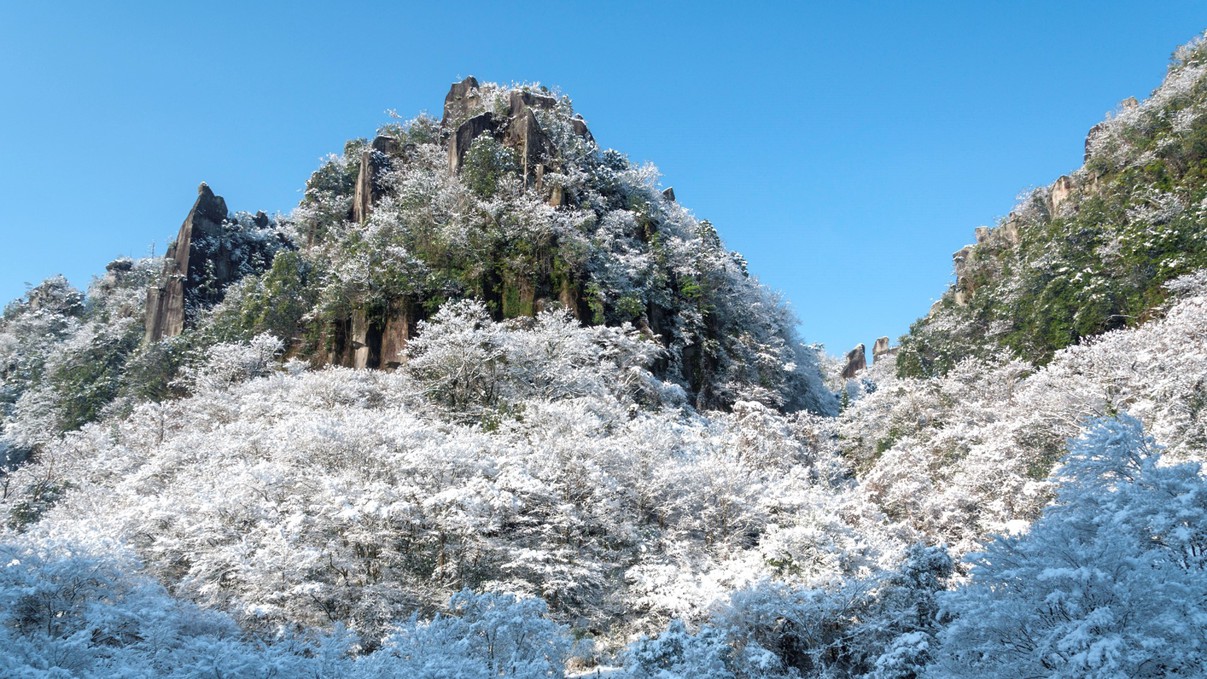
(467, 132)
(856, 361)
(184, 266)
(461, 98)
(982, 234)
(669, 193)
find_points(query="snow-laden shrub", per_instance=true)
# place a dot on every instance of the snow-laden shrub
(67, 611)
(228, 363)
(678, 653)
(481, 635)
(882, 626)
(1110, 582)
(468, 363)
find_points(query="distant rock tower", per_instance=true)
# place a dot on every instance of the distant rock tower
(881, 349)
(165, 301)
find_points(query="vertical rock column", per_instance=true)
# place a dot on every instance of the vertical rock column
(165, 301)
(374, 161)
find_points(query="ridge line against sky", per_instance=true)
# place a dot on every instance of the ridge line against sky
(845, 151)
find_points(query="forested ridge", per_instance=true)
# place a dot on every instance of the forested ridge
(491, 402)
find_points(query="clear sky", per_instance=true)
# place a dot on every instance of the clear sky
(846, 149)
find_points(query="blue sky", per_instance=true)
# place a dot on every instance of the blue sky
(846, 149)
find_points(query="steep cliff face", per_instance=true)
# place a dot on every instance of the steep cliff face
(507, 199)
(1090, 252)
(212, 250)
(185, 265)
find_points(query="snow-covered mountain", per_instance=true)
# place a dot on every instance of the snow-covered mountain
(490, 402)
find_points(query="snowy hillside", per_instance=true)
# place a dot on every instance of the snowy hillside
(491, 402)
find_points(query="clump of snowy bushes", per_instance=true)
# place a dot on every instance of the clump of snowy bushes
(67, 611)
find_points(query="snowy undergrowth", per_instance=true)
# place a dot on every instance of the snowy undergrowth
(966, 455)
(331, 516)
(541, 460)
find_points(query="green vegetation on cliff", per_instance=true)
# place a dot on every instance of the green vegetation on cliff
(1092, 252)
(510, 201)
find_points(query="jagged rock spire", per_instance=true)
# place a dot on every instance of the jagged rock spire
(165, 300)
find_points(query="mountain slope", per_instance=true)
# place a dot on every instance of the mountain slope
(1091, 252)
(490, 404)
(508, 200)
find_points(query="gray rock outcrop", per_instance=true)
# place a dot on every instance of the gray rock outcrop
(518, 128)
(399, 328)
(1009, 231)
(115, 272)
(960, 260)
(1059, 193)
(525, 136)
(374, 161)
(881, 349)
(1090, 138)
(370, 339)
(580, 128)
(520, 101)
(462, 97)
(212, 250)
(464, 136)
(360, 339)
(520, 131)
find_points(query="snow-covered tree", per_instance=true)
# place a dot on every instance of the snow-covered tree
(1110, 582)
